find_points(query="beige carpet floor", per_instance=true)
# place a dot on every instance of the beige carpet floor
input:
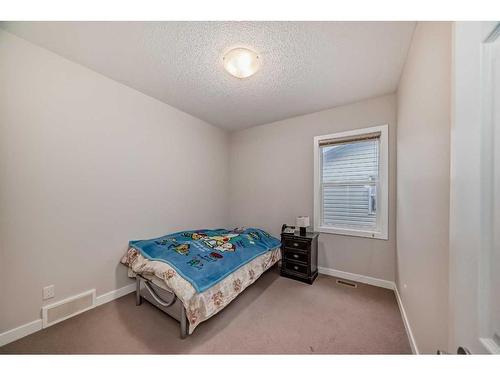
(276, 315)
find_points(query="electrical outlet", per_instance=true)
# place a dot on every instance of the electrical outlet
(49, 292)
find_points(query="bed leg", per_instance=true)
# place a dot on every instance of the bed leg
(184, 323)
(138, 298)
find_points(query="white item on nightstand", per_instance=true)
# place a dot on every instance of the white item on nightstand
(303, 221)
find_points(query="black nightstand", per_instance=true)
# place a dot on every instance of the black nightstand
(299, 256)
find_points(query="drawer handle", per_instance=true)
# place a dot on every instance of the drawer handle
(295, 267)
(295, 256)
(295, 244)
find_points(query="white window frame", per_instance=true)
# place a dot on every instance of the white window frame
(383, 186)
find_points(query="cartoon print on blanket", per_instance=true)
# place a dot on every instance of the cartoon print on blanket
(221, 243)
(204, 257)
(195, 235)
(171, 243)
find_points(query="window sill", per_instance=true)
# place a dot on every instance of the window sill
(352, 232)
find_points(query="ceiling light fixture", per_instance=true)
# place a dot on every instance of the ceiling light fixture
(241, 62)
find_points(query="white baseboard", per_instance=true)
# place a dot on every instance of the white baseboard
(359, 278)
(20, 332)
(380, 283)
(411, 338)
(114, 294)
(36, 325)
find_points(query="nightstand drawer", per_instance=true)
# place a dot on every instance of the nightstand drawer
(293, 243)
(295, 267)
(298, 256)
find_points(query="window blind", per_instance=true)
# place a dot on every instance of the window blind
(349, 180)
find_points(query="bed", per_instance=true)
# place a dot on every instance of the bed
(192, 275)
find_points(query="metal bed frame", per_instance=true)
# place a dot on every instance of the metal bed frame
(169, 307)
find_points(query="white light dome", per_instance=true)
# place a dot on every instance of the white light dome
(241, 62)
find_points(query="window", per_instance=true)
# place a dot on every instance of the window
(351, 183)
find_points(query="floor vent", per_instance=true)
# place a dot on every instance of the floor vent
(62, 310)
(350, 284)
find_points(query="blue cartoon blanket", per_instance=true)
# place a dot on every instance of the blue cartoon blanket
(204, 257)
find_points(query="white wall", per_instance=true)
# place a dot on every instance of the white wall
(423, 184)
(87, 164)
(272, 181)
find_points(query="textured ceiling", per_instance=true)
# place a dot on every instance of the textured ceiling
(306, 66)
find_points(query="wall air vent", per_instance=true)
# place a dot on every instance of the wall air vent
(350, 284)
(62, 310)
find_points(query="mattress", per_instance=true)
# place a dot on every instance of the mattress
(200, 306)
